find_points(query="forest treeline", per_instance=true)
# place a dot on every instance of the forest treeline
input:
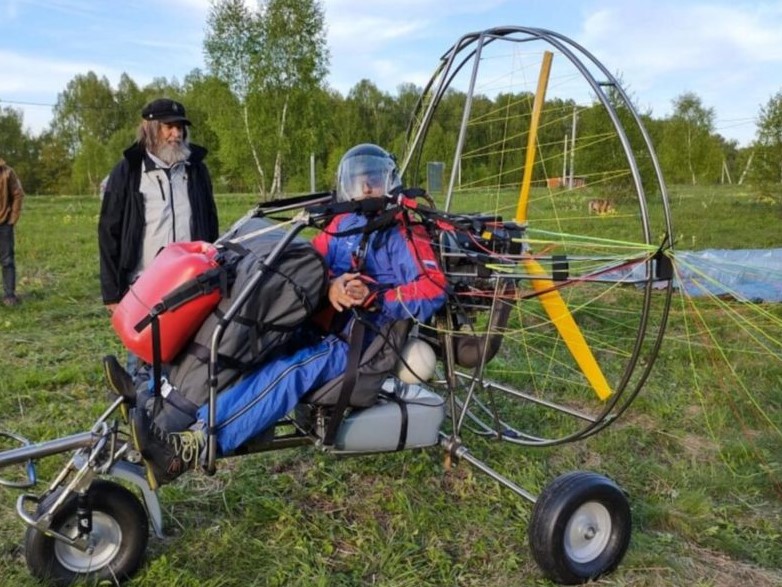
(271, 123)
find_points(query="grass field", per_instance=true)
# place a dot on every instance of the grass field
(699, 452)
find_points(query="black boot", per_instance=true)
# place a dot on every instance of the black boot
(167, 455)
(119, 380)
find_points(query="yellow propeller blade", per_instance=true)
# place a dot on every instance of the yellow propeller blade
(549, 297)
(558, 313)
(532, 138)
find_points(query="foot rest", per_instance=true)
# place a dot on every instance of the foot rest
(18, 456)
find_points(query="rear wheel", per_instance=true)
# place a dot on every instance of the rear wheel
(116, 543)
(580, 527)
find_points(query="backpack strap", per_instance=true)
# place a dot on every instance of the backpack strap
(205, 283)
(349, 380)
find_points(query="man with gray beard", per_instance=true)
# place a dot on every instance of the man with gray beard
(160, 192)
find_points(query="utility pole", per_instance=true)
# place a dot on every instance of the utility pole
(312, 173)
(572, 149)
(725, 172)
(746, 168)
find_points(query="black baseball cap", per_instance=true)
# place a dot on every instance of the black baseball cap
(165, 110)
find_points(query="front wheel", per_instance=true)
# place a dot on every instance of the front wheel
(580, 527)
(117, 540)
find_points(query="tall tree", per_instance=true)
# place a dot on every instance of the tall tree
(12, 133)
(86, 108)
(130, 99)
(232, 49)
(272, 59)
(295, 66)
(690, 152)
(53, 164)
(18, 149)
(403, 108)
(217, 121)
(371, 109)
(91, 164)
(769, 140)
(601, 152)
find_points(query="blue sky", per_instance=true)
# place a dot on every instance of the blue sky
(729, 52)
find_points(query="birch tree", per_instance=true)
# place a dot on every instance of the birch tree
(769, 140)
(273, 59)
(232, 49)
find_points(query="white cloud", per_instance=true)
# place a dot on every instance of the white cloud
(662, 37)
(35, 74)
(358, 33)
(727, 53)
(394, 41)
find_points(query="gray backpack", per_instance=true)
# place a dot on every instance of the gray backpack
(288, 294)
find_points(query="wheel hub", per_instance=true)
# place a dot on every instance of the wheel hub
(104, 544)
(588, 532)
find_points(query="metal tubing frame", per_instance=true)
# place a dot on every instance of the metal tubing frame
(84, 466)
(428, 103)
(460, 452)
(47, 448)
(297, 226)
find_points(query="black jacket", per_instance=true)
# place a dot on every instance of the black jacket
(121, 225)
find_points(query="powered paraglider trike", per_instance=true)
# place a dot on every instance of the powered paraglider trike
(551, 225)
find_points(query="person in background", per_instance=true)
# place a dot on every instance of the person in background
(11, 195)
(397, 279)
(159, 192)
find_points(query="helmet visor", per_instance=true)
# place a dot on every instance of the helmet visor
(366, 175)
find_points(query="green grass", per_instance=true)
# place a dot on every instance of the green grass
(698, 452)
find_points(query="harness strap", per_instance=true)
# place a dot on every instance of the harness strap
(202, 354)
(403, 425)
(203, 284)
(348, 382)
(157, 363)
(180, 402)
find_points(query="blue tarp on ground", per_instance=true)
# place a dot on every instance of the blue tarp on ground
(753, 275)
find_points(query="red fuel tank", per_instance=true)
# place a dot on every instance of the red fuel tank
(176, 268)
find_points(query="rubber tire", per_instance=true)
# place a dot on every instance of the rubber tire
(122, 520)
(586, 497)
